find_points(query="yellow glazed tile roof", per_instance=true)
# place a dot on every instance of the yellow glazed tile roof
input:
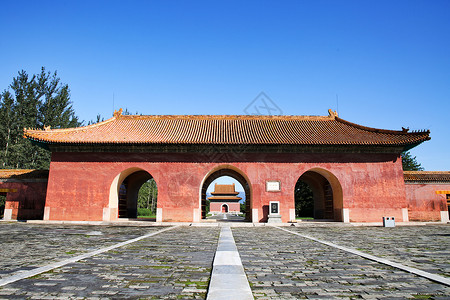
(427, 176)
(226, 129)
(23, 173)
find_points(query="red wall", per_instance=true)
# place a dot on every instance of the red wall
(232, 207)
(79, 183)
(423, 202)
(28, 201)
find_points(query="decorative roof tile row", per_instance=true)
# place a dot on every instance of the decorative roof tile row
(224, 192)
(426, 176)
(23, 174)
(224, 198)
(226, 189)
(223, 130)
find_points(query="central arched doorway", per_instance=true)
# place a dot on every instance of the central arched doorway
(235, 174)
(318, 195)
(224, 208)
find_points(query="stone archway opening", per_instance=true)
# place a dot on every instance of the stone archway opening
(2, 203)
(128, 185)
(318, 195)
(233, 173)
(224, 208)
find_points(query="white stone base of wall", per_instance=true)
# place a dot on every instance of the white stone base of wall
(7, 214)
(444, 216)
(159, 214)
(405, 215)
(292, 214)
(346, 215)
(197, 215)
(46, 213)
(255, 215)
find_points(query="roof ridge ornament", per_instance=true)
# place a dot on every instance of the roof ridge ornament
(332, 114)
(118, 113)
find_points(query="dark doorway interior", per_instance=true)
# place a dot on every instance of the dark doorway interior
(2, 204)
(313, 197)
(128, 193)
(224, 208)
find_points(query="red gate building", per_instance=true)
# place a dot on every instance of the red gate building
(355, 172)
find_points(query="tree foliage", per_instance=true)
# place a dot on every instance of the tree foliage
(243, 207)
(410, 162)
(33, 101)
(2, 204)
(304, 203)
(147, 197)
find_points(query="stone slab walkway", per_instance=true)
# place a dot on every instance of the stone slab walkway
(228, 279)
(177, 264)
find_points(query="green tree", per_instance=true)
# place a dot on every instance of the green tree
(2, 204)
(35, 101)
(147, 197)
(304, 203)
(410, 162)
(243, 207)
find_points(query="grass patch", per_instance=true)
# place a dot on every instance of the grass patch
(147, 217)
(39, 276)
(145, 213)
(304, 218)
(423, 296)
(71, 252)
(198, 284)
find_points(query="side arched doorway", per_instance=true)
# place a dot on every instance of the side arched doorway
(318, 195)
(231, 172)
(125, 191)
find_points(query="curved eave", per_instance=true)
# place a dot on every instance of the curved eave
(48, 144)
(385, 131)
(42, 144)
(43, 138)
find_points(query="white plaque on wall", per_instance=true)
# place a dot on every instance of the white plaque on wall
(273, 186)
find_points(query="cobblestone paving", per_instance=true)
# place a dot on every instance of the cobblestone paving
(27, 246)
(424, 247)
(284, 266)
(175, 264)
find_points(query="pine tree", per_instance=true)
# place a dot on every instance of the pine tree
(410, 162)
(32, 102)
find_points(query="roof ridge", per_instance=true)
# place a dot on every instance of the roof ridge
(228, 117)
(31, 130)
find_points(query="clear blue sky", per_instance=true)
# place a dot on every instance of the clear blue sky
(388, 61)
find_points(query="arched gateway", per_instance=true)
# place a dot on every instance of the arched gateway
(325, 198)
(231, 171)
(224, 208)
(355, 171)
(123, 195)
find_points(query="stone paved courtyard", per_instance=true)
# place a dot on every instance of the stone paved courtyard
(176, 264)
